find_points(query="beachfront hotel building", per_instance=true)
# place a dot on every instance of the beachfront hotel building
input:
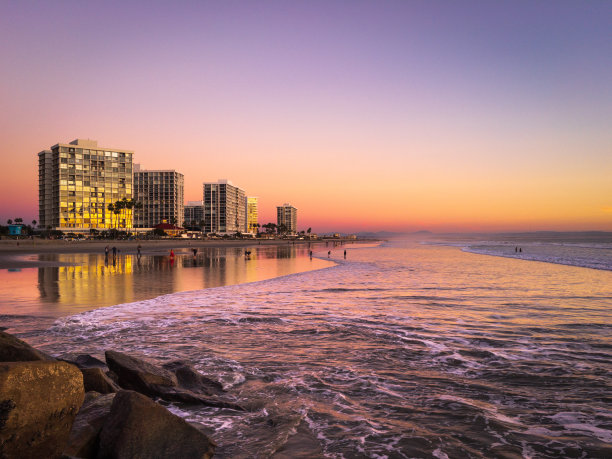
(224, 208)
(161, 194)
(287, 215)
(76, 183)
(194, 213)
(252, 217)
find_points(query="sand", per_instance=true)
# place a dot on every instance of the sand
(13, 253)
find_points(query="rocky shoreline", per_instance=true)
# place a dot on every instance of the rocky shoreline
(82, 407)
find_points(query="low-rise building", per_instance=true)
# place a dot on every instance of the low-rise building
(194, 213)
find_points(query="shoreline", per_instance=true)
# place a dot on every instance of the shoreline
(12, 255)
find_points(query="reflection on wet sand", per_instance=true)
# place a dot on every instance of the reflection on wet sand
(94, 280)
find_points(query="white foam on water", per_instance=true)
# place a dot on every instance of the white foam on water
(596, 256)
(490, 409)
(355, 331)
(574, 421)
(439, 454)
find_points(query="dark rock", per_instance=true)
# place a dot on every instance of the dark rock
(142, 376)
(173, 394)
(137, 427)
(95, 379)
(38, 403)
(83, 440)
(14, 350)
(83, 361)
(138, 374)
(91, 395)
(188, 378)
(112, 375)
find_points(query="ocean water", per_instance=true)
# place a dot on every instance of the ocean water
(401, 350)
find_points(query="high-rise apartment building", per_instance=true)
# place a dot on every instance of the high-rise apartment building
(78, 180)
(161, 194)
(194, 213)
(252, 217)
(287, 215)
(224, 207)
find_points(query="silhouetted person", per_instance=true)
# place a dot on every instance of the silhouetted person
(520, 249)
(114, 253)
(328, 253)
(345, 254)
(311, 254)
(195, 252)
(515, 249)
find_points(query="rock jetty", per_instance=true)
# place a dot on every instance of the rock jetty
(81, 407)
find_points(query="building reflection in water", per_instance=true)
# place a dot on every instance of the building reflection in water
(93, 281)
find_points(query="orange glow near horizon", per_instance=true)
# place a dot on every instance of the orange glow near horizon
(333, 193)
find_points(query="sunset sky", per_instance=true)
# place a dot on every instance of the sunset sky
(395, 115)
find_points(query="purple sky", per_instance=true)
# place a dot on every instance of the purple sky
(328, 105)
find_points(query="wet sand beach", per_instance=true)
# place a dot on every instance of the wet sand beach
(15, 253)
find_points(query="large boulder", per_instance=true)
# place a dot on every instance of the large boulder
(190, 379)
(138, 374)
(96, 380)
(141, 376)
(83, 361)
(14, 350)
(137, 427)
(87, 425)
(173, 394)
(38, 403)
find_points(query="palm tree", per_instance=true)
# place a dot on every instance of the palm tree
(129, 205)
(111, 209)
(117, 212)
(123, 205)
(270, 227)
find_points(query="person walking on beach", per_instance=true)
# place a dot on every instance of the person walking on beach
(106, 252)
(345, 254)
(114, 252)
(328, 253)
(138, 250)
(311, 254)
(195, 252)
(171, 254)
